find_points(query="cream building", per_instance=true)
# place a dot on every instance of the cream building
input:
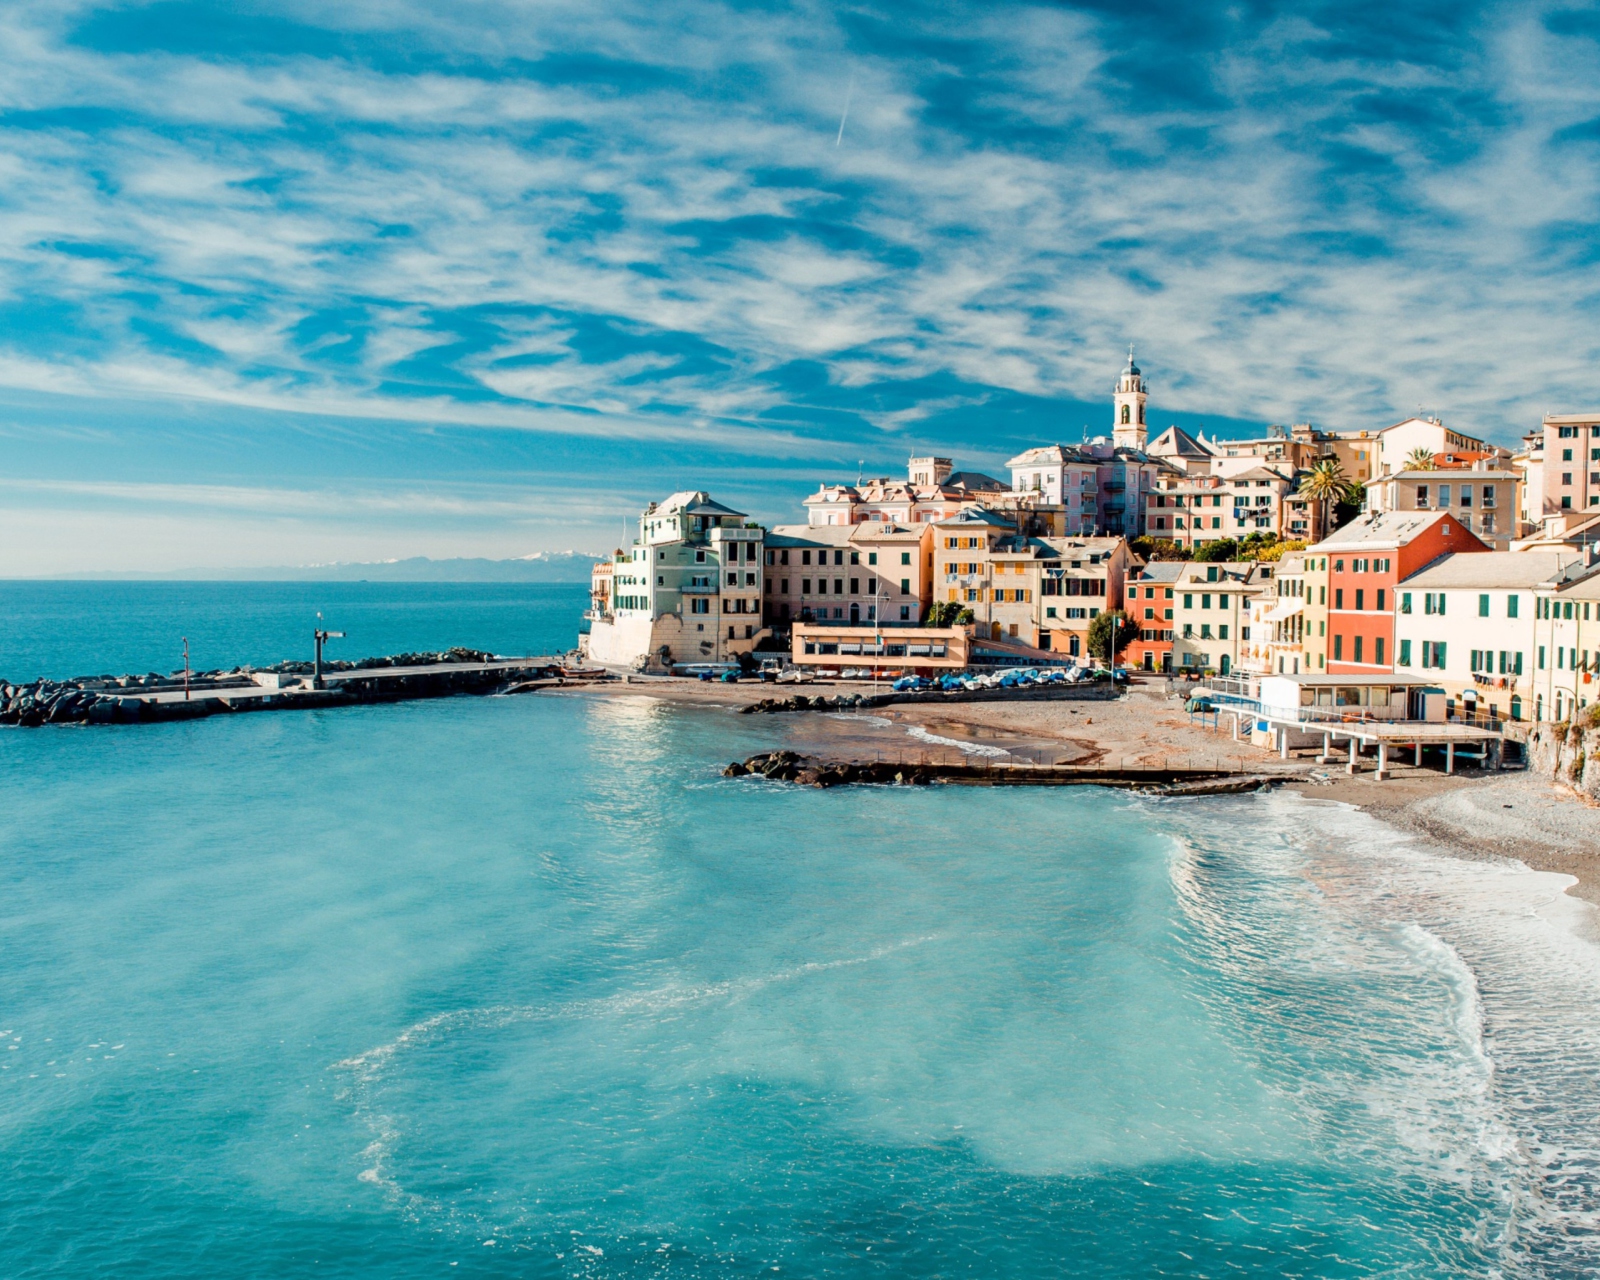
(1192, 510)
(1467, 622)
(1212, 610)
(1396, 444)
(688, 590)
(1274, 636)
(1483, 497)
(876, 572)
(933, 490)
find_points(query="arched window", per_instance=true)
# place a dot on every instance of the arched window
(1125, 417)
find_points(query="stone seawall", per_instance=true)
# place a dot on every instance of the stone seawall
(1568, 754)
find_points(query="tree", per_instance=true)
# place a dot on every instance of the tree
(1216, 551)
(1278, 550)
(1167, 549)
(947, 613)
(1419, 459)
(1108, 628)
(1327, 485)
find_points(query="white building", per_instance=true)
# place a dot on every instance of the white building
(1566, 639)
(688, 590)
(1467, 623)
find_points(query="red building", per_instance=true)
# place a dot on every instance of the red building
(1356, 570)
(1149, 603)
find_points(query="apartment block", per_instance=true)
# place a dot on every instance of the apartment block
(1358, 569)
(688, 590)
(1467, 622)
(1481, 494)
(876, 572)
(1212, 610)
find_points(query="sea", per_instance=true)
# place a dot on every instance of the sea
(522, 986)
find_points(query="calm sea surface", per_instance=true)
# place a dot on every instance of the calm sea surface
(523, 987)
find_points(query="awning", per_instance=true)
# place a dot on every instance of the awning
(1290, 607)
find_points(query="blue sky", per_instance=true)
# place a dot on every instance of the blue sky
(294, 282)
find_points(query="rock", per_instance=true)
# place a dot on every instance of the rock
(735, 770)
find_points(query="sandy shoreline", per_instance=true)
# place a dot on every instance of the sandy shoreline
(1472, 814)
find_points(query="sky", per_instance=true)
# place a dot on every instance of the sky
(287, 283)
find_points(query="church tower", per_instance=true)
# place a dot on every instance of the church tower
(1128, 430)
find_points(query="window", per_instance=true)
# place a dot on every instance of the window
(1377, 650)
(1381, 596)
(1483, 606)
(872, 557)
(1404, 657)
(838, 557)
(1541, 657)
(1205, 601)
(1188, 601)
(855, 586)
(805, 557)
(1338, 648)
(855, 558)
(905, 586)
(1359, 642)
(1361, 600)
(905, 557)
(1222, 631)
(1433, 602)
(1338, 597)
(805, 586)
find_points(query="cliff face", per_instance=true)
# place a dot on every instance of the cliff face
(1568, 754)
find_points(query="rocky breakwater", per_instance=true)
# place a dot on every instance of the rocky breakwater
(152, 698)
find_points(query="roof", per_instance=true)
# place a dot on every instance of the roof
(1258, 473)
(1384, 529)
(1176, 442)
(1163, 570)
(694, 502)
(978, 515)
(974, 481)
(838, 535)
(1492, 569)
(1050, 455)
(1445, 475)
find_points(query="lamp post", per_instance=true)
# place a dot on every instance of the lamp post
(319, 635)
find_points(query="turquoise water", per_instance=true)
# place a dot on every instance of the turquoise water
(523, 987)
(60, 629)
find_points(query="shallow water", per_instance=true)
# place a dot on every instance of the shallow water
(522, 986)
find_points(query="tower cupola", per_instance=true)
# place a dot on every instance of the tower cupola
(1128, 429)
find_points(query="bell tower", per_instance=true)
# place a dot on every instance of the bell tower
(1128, 430)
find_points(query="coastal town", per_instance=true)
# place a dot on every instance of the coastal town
(1409, 565)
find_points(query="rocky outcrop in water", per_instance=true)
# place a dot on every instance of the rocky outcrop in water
(788, 766)
(803, 702)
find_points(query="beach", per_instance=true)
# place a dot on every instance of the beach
(1470, 814)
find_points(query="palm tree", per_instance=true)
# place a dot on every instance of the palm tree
(1419, 459)
(1326, 485)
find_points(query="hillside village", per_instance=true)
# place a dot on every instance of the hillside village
(1413, 552)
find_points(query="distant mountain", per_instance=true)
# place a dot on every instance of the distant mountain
(542, 566)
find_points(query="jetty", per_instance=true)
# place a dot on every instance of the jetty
(156, 698)
(790, 766)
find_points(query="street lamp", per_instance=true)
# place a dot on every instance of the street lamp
(319, 635)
